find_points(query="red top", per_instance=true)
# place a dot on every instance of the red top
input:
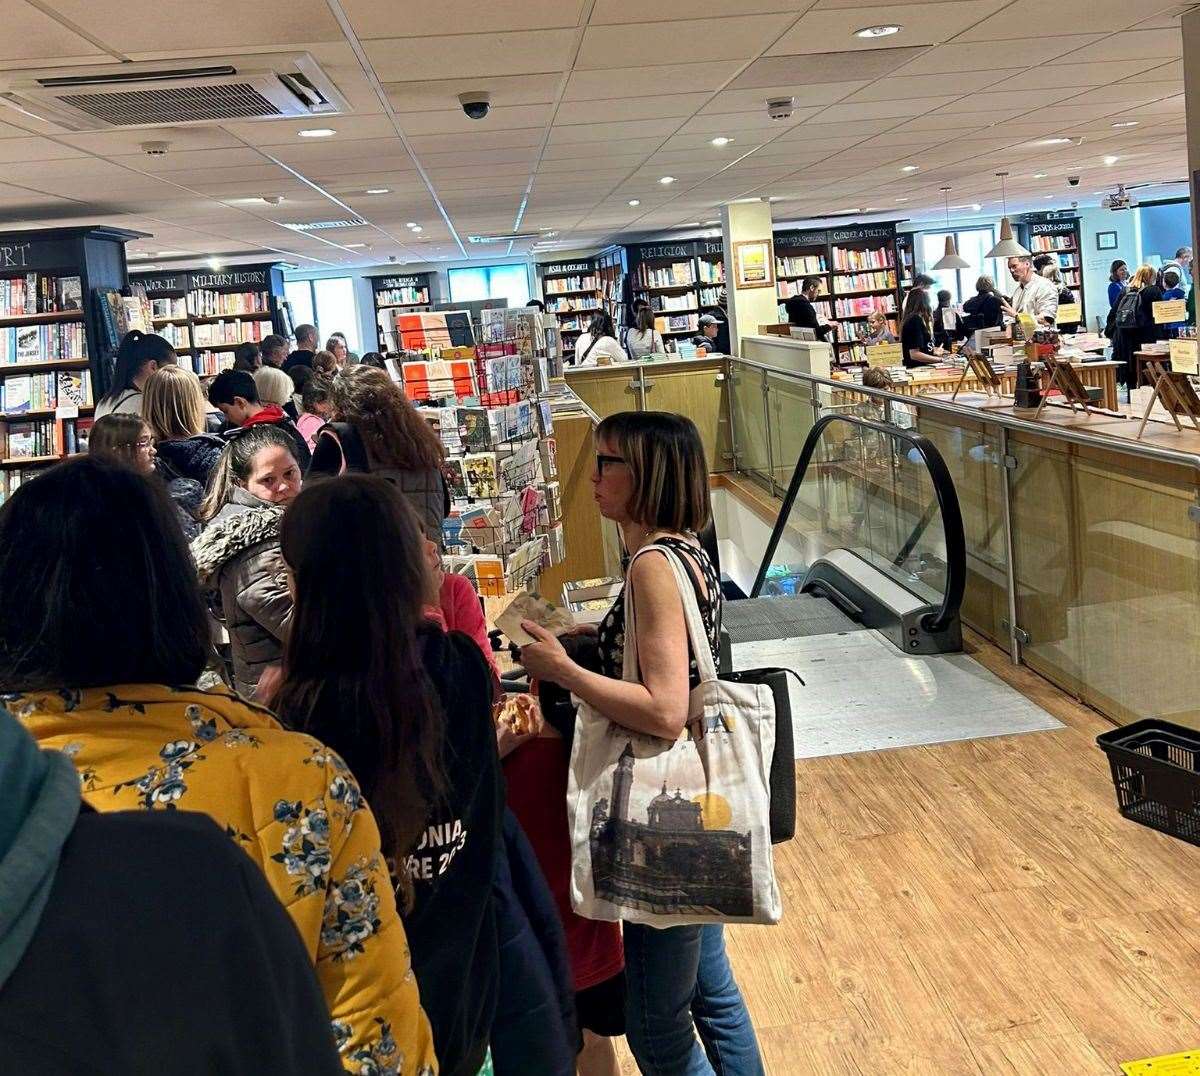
(536, 776)
(459, 610)
(271, 413)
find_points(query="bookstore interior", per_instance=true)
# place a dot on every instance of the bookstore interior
(920, 276)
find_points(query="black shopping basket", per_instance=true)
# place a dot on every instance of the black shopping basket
(1156, 771)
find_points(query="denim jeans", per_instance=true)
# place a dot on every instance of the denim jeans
(680, 983)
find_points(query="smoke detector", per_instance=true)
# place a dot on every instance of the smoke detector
(155, 149)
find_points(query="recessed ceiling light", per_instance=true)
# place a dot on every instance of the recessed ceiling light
(878, 31)
(378, 190)
(721, 140)
(712, 222)
(901, 199)
(1111, 160)
(317, 132)
(214, 263)
(667, 180)
(635, 201)
(1054, 141)
(911, 168)
(410, 224)
(1040, 175)
(416, 228)
(1127, 123)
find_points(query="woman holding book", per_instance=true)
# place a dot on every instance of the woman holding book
(376, 430)
(237, 555)
(101, 631)
(409, 707)
(139, 355)
(652, 480)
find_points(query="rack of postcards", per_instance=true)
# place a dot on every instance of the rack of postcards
(485, 399)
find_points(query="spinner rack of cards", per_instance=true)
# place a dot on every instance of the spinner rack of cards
(484, 398)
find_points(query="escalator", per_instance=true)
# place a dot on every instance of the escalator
(869, 537)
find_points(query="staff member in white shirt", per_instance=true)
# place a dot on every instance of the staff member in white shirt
(1035, 295)
(599, 345)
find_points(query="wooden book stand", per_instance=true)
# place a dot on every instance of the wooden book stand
(981, 367)
(1065, 378)
(1176, 393)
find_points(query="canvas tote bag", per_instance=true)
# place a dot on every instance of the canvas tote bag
(672, 832)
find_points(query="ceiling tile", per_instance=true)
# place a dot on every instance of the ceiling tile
(470, 57)
(1030, 50)
(372, 19)
(600, 85)
(702, 39)
(1059, 17)
(440, 94)
(823, 30)
(1147, 44)
(629, 108)
(32, 35)
(603, 132)
(616, 12)
(899, 87)
(818, 68)
(804, 95)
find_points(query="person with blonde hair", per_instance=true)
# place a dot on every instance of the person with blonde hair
(1133, 321)
(174, 408)
(275, 387)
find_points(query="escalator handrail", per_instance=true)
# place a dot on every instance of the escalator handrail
(943, 486)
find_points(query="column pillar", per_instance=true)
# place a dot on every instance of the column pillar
(749, 306)
(1191, 86)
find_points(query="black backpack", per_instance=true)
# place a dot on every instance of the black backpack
(1128, 311)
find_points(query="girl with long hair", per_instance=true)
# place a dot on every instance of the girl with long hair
(644, 339)
(916, 330)
(138, 356)
(376, 430)
(651, 479)
(175, 409)
(237, 555)
(409, 708)
(599, 344)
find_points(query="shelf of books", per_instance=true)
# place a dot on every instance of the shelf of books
(800, 255)
(56, 330)
(864, 262)
(407, 291)
(206, 315)
(710, 273)
(571, 291)
(480, 386)
(905, 260)
(668, 276)
(1060, 236)
(613, 277)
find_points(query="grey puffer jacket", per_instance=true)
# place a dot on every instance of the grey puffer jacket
(239, 563)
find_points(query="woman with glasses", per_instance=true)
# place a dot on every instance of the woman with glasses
(651, 479)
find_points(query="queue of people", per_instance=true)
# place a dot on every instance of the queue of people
(351, 766)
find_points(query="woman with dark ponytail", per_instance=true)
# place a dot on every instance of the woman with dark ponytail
(139, 355)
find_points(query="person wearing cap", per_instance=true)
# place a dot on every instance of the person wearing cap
(710, 325)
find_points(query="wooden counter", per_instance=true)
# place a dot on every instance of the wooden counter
(692, 387)
(1101, 375)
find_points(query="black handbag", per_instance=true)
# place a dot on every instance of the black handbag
(782, 777)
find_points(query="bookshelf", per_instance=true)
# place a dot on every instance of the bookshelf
(61, 317)
(206, 315)
(571, 291)
(411, 292)
(710, 272)
(611, 268)
(906, 260)
(1050, 233)
(667, 276)
(800, 254)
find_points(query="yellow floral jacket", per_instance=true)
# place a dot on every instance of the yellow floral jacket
(292, 805)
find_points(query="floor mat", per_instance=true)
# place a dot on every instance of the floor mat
(862, 694)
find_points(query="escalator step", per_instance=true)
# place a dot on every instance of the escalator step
(758, 619)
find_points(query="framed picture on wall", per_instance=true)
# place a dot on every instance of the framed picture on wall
(1106, 240)
(753, 265)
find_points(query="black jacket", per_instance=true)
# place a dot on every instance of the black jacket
(162, 950)
(452, 926)
(298, 358)
(803, 315)
(189, 457)
(983, 311)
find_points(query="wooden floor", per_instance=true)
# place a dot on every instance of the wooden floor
(974, 908)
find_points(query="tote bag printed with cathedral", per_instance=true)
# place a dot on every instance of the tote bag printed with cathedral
(675, 832)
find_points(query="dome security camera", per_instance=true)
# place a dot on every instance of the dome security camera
(1073, 181)
(781, 108)
(476, 104)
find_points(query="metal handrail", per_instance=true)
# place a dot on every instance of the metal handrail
(992, 418)
(943, 487)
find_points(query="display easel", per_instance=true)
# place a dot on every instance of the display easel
(1177, 395)
(1065, 378)
(981, 368)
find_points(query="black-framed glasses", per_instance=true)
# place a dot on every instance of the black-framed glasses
(602, 459)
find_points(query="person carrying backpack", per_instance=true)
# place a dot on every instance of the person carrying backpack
(1132, 322)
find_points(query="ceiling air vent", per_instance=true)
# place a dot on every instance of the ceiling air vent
(504, 237)
(158, 94)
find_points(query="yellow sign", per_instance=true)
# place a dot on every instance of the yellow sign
(885, 355)
(1185, 356)
(1184, 1064)
(1069, 314)
(1169, 310)
(1028, 324)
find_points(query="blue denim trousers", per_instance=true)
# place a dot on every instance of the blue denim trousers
(680, 984)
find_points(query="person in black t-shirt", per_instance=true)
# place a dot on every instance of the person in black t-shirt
(306, 347)
(983, 308)
(916, 330)
(802, 313)
(409, 708)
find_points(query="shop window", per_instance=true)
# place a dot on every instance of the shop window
(509, 282)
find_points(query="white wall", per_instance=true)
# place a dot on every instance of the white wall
(1093, 221)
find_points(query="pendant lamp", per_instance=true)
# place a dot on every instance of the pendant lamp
(1008, 247)
(951, 259)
